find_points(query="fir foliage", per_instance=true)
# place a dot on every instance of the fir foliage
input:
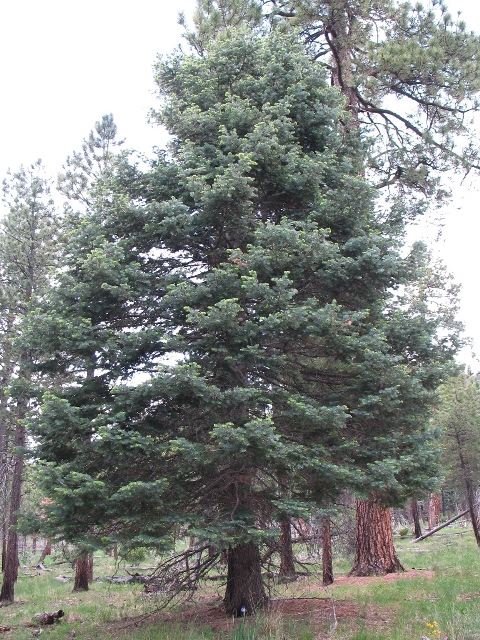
(227, 319)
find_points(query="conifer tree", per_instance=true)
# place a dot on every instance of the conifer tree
(458, 416)
(246, 277)
(409, 73)
(28, 235)
(410, 78)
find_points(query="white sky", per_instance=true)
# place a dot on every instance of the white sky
(64, 64)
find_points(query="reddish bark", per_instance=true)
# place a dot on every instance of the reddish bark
(416, 519)
(327, 563)
(47, 550)
(433, 510)
(10, 573)
(245, 591)
(81, 573)
(374, 549)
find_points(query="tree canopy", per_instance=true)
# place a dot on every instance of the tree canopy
(409, 73)
(229, 320)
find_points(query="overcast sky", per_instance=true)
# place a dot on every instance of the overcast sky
(65, 64)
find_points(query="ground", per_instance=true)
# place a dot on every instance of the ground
(320, 612)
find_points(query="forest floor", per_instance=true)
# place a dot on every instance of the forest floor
(321, 611)
(437, 597)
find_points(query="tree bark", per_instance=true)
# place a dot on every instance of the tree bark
(374, 549)
(416, 519)
(10, 573)
(47, 550)
(4, 444)
(90, 567)
(81, 573)
(245, 591)
(287, 560)
(473, 510)
(327, 564)
(433, 510)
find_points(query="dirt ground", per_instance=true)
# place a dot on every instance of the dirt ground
(320, 612)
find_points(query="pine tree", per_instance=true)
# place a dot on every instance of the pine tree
(246, 278)
(410, 76)
(458, 416)
(28, 236)
(410, 79)
(86, 167)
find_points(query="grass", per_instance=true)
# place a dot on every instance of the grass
(446, 605)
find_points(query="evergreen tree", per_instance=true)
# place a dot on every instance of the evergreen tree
(28, 237)
(458, 416)
(86, 167)
(246, 278)
(410, 76)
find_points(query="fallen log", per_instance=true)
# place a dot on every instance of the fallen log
(441, 526)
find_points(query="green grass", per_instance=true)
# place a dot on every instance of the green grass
(451, 598)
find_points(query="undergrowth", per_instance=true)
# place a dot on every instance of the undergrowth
(441, 602)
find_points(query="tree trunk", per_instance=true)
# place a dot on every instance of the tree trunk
(81, 573)
(90, 567)
(10, 573)
(433, 510)
(374, 549)
(4, 540)
(473, 511)
(4, 441)
(47, 550)
(287, 560)
(327, 564)
(416, 519)
(5, 478)
(245, 592)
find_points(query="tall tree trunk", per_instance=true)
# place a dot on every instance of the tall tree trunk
(245, 591)
(287, 559)
(472, 509)
(10, 573)
(90, 567)
(47, 550)
(5, 475)
(337, 33)
(374, 549)
(327, 564)
(4, 444)
(433, 510)
(416, 519)
(81, 573)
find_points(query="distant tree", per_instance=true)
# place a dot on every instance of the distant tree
(458, 416)
(29, 233)
(88, 167)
